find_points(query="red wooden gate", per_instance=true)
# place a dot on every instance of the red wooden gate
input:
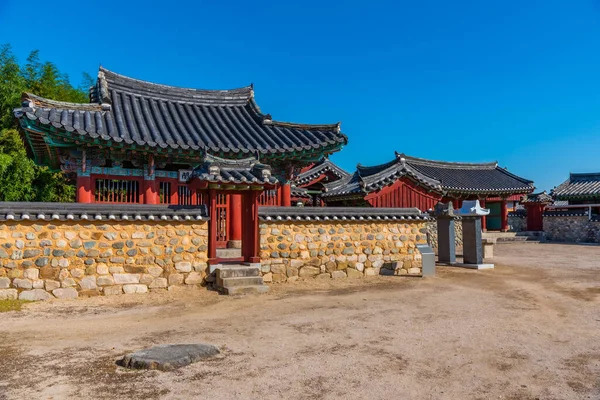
(222, 215)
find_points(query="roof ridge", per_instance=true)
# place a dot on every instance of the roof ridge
(43, 102)
(382, 166)
(517, 177)
(584, 175)
(249, 88)
(269, 121)
(451, 164)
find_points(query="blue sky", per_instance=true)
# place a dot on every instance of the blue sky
(512, 81)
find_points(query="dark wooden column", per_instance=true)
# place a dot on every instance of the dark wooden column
(212, 227)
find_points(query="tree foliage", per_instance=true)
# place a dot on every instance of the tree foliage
(20, 178)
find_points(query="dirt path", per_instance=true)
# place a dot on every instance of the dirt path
(528, 329)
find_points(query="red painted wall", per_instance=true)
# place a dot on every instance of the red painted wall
(403, 193)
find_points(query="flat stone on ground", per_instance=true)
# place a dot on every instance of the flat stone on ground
(168, 356)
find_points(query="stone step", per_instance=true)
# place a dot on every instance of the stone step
(239, 281)
(254, 289)
(236, 272)
(229, 253)
(512, 239)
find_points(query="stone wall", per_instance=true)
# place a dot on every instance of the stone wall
(517, 222)
(42, 259)
(339, 249)
(573, 229)
(433, 236)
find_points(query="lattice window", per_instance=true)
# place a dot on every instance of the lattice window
(164, 193)
(116, 191)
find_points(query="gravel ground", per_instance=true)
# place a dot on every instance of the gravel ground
(529, 329)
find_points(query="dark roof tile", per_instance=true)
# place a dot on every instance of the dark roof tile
(136, 112)
(580, 186)
(439, 176)
(245, 171)
(316, 170)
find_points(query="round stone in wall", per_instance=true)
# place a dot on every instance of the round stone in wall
(168, 356)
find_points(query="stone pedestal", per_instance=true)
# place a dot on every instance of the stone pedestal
(446, 240)
(472, 244)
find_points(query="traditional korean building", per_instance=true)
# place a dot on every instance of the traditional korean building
(141, 142)
(580, 188)
(415, 182)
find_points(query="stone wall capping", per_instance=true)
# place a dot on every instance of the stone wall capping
(99, 212)
(339, 214)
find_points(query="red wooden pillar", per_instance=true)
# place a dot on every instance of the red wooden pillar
(84, 189)
(455, 204)
(250, 227)
(503, 216)
(235, 224)
(212, 227)
(484, 218)
(279, 195)
(286, 195)
(535, 216)
(150, 192)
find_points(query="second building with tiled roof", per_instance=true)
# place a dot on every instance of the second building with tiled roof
(416, 182)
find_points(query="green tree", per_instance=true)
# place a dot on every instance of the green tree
(17, 171)
(12, 85)
(20, 178)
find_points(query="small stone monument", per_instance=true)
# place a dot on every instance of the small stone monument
(444, 214)
(471, 213)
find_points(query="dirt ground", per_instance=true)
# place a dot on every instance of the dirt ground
(529, 329)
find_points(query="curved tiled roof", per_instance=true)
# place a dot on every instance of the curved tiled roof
(316, 170)
(246, 171)
(579, 186)
(541, 197)
(347, 186)
(473, 178)
(439, 176)
(141, 114)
